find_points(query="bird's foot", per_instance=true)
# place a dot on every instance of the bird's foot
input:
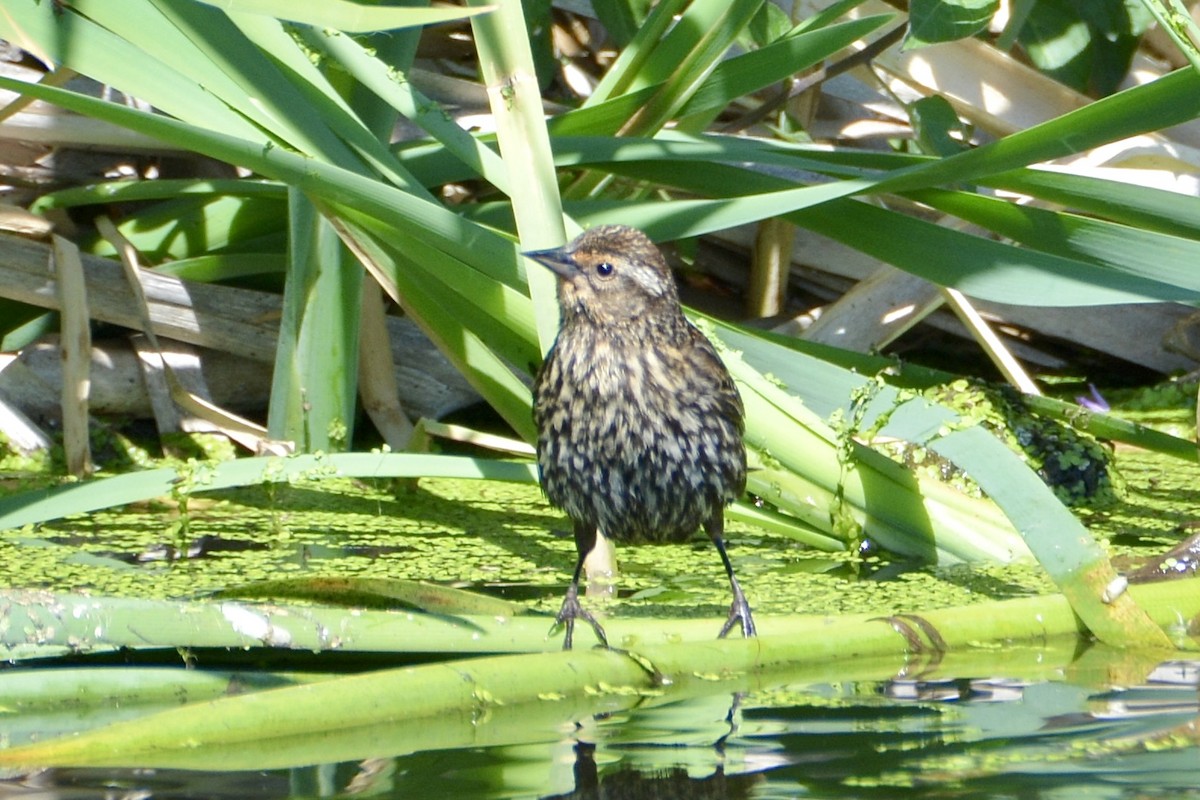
(739, 612)
(572, 610)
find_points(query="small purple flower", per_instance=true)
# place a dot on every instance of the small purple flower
(1094, 403)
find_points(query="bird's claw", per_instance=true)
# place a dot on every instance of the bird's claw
(572, 610)
(739, 612)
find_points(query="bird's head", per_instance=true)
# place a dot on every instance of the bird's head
(612, 274)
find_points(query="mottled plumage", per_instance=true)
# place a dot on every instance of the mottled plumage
(639, 423)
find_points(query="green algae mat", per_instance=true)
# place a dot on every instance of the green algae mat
(315, 567)
(272, 613)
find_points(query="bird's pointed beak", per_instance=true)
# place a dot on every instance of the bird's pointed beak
(559, 260)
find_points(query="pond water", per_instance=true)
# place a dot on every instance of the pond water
(912, 731)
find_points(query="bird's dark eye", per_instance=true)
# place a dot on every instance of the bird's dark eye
(604, 269)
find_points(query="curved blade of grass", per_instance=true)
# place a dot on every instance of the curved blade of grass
(433, 166)
(914, 376)
(393, 88)
(1075, 562)
(1157, 257)
(584, 149)
(789, 55)
(1162, 103)
(348, 16)
(784, 524)
(730, 79)
(979, 267)
(78, 498)
(1144, 207)
(1170, 100)
(126, 191)
(984, 268)
(225, 266)
(1152, 209)
(1110, 426)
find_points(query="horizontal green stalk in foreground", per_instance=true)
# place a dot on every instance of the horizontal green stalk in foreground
(564, 685)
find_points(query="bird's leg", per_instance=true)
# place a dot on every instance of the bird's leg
(739, 609)
(585, 540)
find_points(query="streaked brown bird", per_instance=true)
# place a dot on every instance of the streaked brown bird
(639, 423)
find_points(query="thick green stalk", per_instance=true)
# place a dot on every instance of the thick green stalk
(315, 382)
(1175, 18)
(516, 101)
(101, 624)
(558, 683)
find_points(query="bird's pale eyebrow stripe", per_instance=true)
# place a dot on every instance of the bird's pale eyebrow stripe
(649, 280)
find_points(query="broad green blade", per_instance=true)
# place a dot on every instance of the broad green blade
(80, 498)
(77, 42)
(1151, 209)
(315, 383)
(1155, 257)
(1066, 550)
(345, 15)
